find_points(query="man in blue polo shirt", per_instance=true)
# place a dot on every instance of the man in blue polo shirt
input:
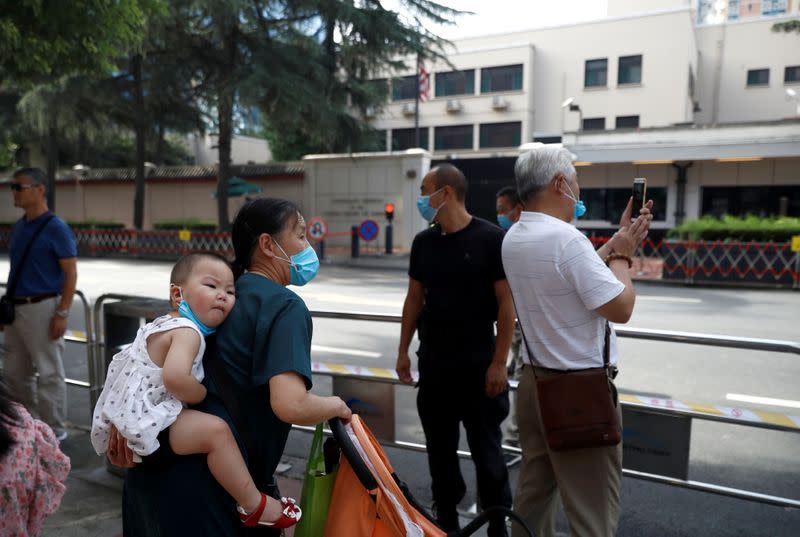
(44, 287)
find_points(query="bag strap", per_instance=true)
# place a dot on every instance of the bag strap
(606, 346)
(230, 396)
(12, 283)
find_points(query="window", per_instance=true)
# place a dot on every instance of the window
(455, 83)
(403, 139)
(501, 134)
(595, 73)
(455, 137)
(627, 122)
(791, 74)
(594, 124)
(773, 7)
(758, 77)
(756, 200)
(506, 78)
(404, 88)
(630, 70)
(607, 204)
(733, 10)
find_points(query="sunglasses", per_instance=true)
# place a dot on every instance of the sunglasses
(19, 187)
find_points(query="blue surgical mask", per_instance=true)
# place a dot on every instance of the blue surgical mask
(424, 206)
(186, 311)
(304, 265)
(580, 207)
(504, 221)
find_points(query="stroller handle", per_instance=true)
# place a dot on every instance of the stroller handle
(352, 455)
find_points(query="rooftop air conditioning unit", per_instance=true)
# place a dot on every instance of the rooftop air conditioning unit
(499, 103)
(369, 112)
(453, 106)
(409, 109)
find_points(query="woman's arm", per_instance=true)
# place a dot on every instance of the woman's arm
(178, 380)
(292, 403)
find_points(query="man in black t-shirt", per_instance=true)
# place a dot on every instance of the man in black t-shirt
(457, 290)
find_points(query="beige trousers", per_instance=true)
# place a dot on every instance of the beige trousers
(587, 480)
(29, 350)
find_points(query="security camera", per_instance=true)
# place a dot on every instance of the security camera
(791, 94)
(571, 100)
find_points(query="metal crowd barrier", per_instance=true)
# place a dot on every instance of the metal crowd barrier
(662, 408)
(790, 347)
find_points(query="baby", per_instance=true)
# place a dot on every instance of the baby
(150, 383)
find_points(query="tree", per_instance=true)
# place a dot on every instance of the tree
(42, 42)
(353, 43)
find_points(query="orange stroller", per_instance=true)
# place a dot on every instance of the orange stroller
(369, 500)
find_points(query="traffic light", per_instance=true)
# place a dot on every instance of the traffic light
(389, 209)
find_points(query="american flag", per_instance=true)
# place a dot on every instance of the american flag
(424, 83)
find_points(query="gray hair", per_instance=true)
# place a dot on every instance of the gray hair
(535, 169)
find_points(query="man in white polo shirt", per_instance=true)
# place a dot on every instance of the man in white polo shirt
(565, 292)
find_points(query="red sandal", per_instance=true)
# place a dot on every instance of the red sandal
(289, 517)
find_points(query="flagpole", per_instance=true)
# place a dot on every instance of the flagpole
(416, 106)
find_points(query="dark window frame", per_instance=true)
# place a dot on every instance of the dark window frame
(400, 87)
(586, 73)
(451, 77)
(625, 119)
(438, 134)
(758, 200)
(791, 69)
(752, 75)
(399, 135)
(516, 79)
(484, 134)
(620, 82)
(591, 124)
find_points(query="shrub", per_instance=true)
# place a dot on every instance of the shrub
(186, 223)
(96, 224)
(741, 229)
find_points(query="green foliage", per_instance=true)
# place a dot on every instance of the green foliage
(96, 224)
(742, 229)
(787, 26)
(41, 40)
(195, 224)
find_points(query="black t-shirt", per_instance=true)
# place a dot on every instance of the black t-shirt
(458, 272)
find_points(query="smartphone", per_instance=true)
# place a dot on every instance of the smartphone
(639, 196)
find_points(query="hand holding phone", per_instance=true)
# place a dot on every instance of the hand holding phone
(639, 196)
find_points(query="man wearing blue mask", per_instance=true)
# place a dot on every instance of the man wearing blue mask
(508, 206)
(565, 294)
(457, 291)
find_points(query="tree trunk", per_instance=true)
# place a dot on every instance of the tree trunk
(140, 132)
(52, 156)
(225, 119)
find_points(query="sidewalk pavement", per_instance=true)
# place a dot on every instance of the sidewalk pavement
(91, 506)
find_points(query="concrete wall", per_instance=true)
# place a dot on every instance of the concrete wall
(348, 189)
(244, 149)
(113, 201)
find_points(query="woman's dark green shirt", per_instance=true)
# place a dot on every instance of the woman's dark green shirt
(267, 333)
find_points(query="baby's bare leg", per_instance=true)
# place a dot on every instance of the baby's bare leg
(196, 432)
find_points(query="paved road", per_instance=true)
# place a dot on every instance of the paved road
(733, 456)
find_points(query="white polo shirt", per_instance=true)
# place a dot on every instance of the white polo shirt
(558, 281)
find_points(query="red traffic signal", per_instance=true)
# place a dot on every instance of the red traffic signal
(389, 209)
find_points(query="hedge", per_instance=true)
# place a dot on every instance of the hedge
(737, 229)
(186, 223)
(96, 224)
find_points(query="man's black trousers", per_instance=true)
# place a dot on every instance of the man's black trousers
(442, 405)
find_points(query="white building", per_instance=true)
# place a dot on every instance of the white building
(695, 96)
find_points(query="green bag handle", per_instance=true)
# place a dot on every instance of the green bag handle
(316, 457)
